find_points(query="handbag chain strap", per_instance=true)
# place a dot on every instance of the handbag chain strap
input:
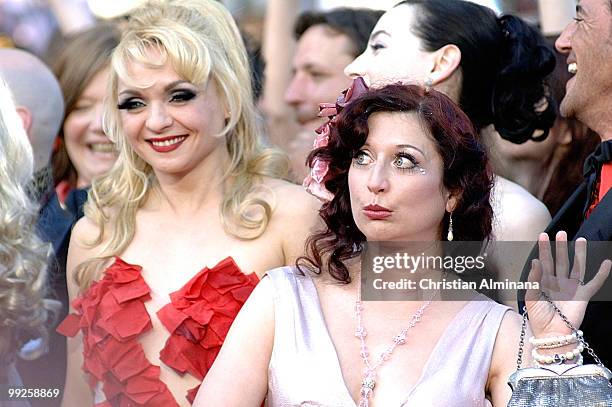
(590, 350)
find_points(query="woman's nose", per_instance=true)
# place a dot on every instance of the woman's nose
(355, 68)
(378, 181)
(158, 119)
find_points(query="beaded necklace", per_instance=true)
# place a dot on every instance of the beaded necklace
(369, 376)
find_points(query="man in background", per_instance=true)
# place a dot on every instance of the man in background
(326, 43)
(587, 43)
(40, 105)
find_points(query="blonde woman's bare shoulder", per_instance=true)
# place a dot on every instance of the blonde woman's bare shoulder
(81, 249)
(87, 229)
(292, 199)
(295, 217)
(84, 230)
(85, 241)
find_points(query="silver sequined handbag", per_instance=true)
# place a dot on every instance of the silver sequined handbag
(560, 385)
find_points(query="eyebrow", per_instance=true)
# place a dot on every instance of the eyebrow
(377, 33)
(166, 88)
(579, 9)
(314, 67)
(404, 146)
(411, 146)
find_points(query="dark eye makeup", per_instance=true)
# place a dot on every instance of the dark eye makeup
(176, 96)
(129, 104)
(402, 161)
(409, 157)
(182, 95)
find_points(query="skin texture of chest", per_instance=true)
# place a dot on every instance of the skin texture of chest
(167, 246)
(382, 321)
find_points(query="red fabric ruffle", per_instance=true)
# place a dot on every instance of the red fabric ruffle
(200, 315)
(112, 315)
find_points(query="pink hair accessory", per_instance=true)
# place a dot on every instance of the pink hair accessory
(315, 181)
(322, 136)
(327, 110)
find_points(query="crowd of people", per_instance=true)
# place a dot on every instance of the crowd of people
(179, 227)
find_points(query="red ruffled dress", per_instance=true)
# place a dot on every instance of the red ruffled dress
(112, 316)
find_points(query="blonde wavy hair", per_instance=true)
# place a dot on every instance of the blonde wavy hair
(202, 42)
(23, 256)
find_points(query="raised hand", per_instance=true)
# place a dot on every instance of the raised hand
(565, 287)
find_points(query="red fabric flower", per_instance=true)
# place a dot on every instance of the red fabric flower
(200, 315)
(315, 181)
(111, 314)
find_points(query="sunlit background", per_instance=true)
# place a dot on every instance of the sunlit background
(36, 25)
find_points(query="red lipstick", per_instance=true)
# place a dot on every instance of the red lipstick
(166, 144)
(376, 212)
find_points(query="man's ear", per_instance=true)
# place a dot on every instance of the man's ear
(447, 60)
(26, 118)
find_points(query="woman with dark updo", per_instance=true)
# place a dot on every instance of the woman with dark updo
(492, 67)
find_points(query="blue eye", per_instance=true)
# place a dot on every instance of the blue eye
(407, 162)
(362, 158)
(130, 104)
(404, 161)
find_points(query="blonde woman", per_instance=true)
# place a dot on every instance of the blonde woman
(179, 231)
(23, 256)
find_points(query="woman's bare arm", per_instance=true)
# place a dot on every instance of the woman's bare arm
(76, 390)
(503, 361)
(239, 376)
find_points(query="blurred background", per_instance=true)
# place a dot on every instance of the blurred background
(40, 25)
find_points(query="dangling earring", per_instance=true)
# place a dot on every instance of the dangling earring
(428, 83)
(449, 235)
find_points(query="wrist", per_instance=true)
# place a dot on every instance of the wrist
(557, 349)
(556, 339)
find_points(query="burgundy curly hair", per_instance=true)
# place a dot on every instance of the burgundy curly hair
(467, 173)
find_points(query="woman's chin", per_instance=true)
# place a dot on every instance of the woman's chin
(383, 237)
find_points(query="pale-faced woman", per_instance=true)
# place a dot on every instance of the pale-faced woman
(493, 67)
(179, 232)
(399, 159)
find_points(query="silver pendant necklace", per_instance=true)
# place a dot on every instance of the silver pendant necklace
(368, 382)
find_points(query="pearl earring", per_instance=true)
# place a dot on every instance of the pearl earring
(449, 235)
